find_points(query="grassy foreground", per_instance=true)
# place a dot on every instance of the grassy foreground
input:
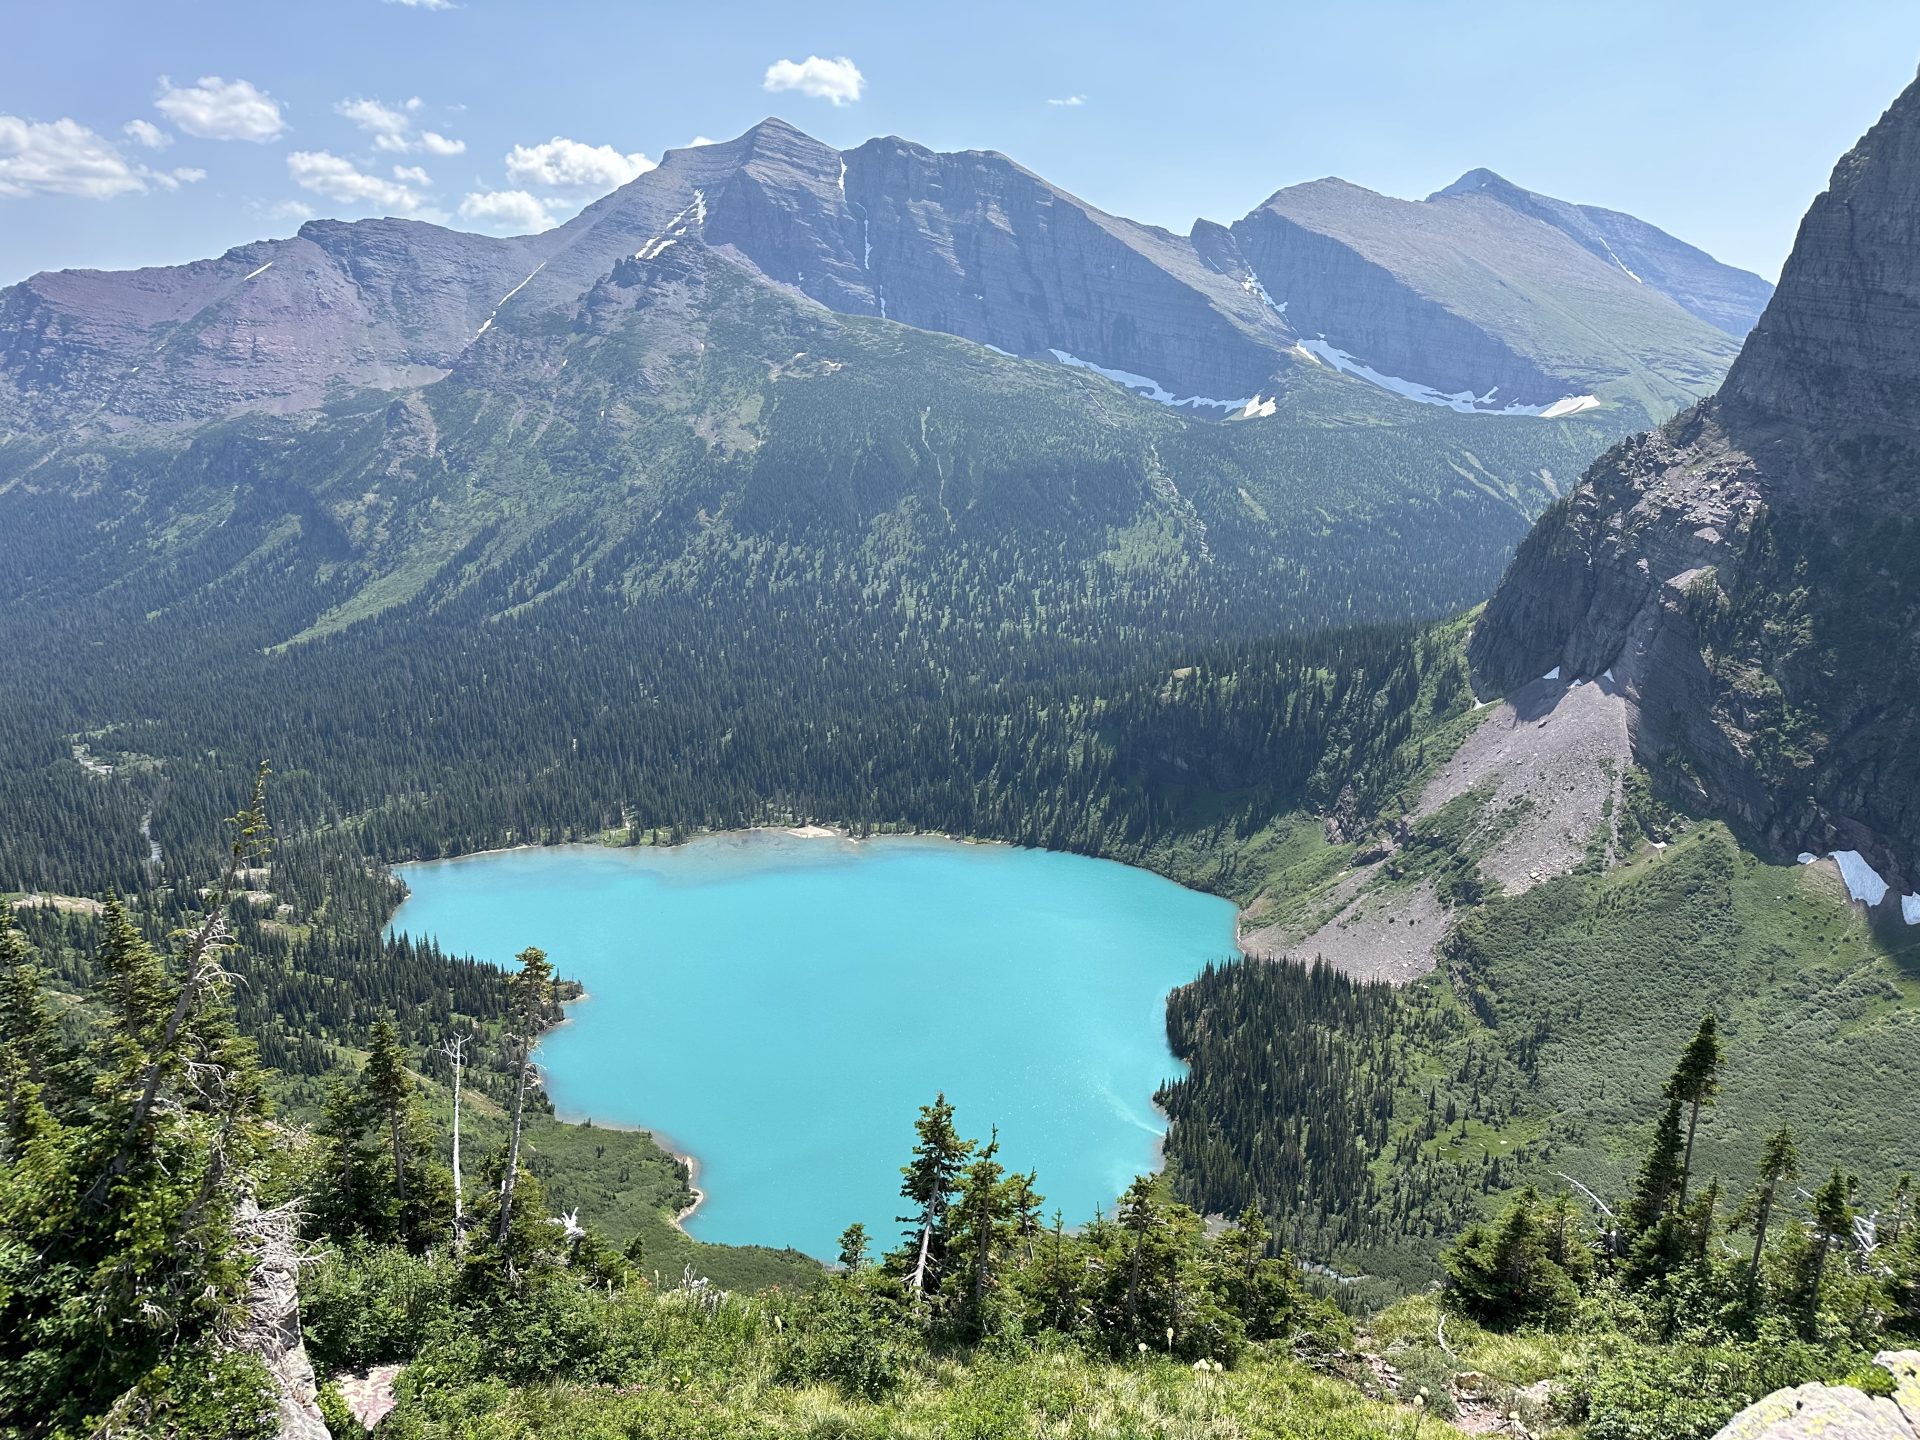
(714, 1373)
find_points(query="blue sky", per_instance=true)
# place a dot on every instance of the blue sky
(1715, 120)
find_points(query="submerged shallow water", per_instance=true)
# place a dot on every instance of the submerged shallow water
(779, 1007)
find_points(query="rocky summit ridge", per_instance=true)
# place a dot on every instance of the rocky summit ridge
(1727, 298)
(1458, 300)
(1750, 572)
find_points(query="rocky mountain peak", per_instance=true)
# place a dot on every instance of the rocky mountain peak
(1509, 317)
(1473, 181)
(1724, 297)
(1749, 574)
(1839, 345)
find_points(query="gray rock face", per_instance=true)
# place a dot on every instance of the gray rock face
(1727, 298)
(1838, 349)
(270, 326)
(1837, 1412)
(271, 1329)
(1459, 294)
(973, 245)
(1749, 571)
(1602, 584)
(1465, 294)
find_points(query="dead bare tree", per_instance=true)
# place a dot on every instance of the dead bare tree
(454, 1047)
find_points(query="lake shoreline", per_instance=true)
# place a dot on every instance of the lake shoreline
(809, 831)
(664, 1143)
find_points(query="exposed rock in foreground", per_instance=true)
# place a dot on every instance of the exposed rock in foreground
(272, 1326)
(1837, 1412)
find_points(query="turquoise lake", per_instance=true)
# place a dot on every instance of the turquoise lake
(779, 1007)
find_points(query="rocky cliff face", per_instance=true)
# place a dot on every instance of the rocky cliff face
(1460, 301)
(273, 325)
(973, 245)
(1727, 298)
(1751, 571)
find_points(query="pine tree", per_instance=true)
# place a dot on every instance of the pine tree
(388, 1089)
(980, 1229)
(1899, 1210)
(530, 1008)
(33, 1057)
(929, 1181)
(1566, 1245)
(1139, 1217)
(1061, 1283)
(1832, 1226)
(853, 1247)
(1779, 1162)
(1024, 1202)
(128, 1217)
(1507, 1273)
(1695, 1082)
(1658, 1183)
(1264, 1292)
(138, 995)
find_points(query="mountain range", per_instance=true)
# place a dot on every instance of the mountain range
(1483, 297)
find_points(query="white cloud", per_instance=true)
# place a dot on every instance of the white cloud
(145, 132)
(838, 81)
(424, 4)
(216, 109)
(574, 166)
(64, 157)
(411, 175)
(383, 122)
(338, 179)
(513, 211)
(292, 210)
(1069, 100)
(697, 141)
(392, 127)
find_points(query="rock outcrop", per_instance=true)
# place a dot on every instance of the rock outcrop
(1751, 571)
(271, 1328)
(1837, 1412)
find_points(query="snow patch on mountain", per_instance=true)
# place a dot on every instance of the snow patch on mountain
(1621, 263)
(1150, 388)
(1863, 881)
(487, 324)
(1253, 286)
(1464, 401)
